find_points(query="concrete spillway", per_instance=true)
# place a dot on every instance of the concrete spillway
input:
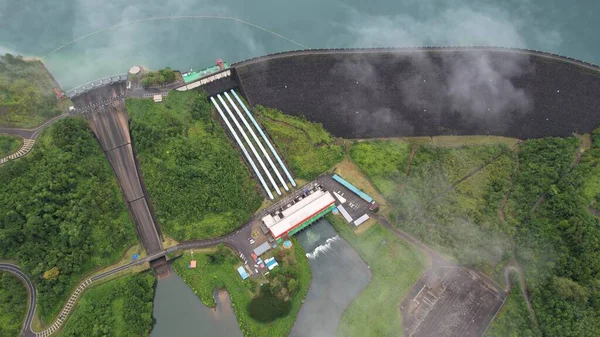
(241, 145)
(107, 117)
(264, 137)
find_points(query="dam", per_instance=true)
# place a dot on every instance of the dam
(404, 92)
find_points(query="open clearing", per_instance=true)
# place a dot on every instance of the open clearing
(450, 301)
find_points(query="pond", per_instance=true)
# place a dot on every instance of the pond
(338, 276)
(179, 312)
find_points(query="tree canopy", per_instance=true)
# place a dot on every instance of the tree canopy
(26, 96)
(198, 183)
(61, 212)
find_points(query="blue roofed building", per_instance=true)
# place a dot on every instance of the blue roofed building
(242, 272)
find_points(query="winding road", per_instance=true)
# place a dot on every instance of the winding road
(29, 136)
(11, 268)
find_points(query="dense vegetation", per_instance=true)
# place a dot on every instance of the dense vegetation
(198, 183)
(538, 203)
(121, 307)
(61, 213)
(13, 304)
(514, 319)
(396, 266)
(26, 96)
(308, 148)
(8, 145)
(157, 78)
(268, 306)
(287, 283)
(435, 201)
(559, 244)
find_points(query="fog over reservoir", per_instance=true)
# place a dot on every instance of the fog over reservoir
(37, 27)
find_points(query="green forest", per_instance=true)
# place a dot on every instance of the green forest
(120, 307)
(489, 205)
(13, 304)
(61, 212)
(306, 146)
(269, 310)
(158, 78)
(514, 319)
(198, 183)
(9, 144)
(26, 95)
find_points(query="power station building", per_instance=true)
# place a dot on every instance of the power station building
(300, 215)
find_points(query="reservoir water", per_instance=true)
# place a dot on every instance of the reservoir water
(179, 312)
(37, 27)
(338, 277)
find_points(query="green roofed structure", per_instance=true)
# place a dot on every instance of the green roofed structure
(192, 76)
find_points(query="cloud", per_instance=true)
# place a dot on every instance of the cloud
(477, 86)
(459, 24)
(179, 43)
(455, 89)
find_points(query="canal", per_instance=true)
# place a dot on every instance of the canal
(179, 312)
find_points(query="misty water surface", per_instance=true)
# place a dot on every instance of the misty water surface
(338, 277)
(36, 27)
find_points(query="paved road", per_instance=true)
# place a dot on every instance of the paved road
(26, 330)
(29, 135)
(551, 56)
(105, 110)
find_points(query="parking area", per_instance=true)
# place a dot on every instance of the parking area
(354, 205)
(450, 301)
(250, 237)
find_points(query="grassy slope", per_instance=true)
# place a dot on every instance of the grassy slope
(120, 307)
(396, 266)
(456, 220)
(61, 207)
(13, 304)
(9, 144)
(198, 183)
(26, 96)
(306, 146)
(514, 318)
(385, 163)
(209, 276)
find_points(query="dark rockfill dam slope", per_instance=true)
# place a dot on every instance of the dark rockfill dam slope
(366, 93)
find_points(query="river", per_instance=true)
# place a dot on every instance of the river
(37, 27)
(179, 312)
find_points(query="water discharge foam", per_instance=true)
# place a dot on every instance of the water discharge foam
(322, 249)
